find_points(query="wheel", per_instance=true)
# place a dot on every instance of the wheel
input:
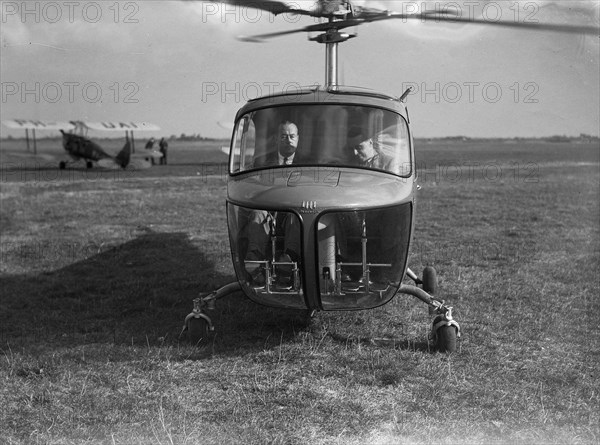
(62, 165)
(197, 331)
(445, 336)
(446, 339)
(430, 281)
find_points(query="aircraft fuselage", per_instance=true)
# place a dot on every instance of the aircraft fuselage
(80, 147)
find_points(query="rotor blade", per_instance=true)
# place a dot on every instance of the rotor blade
(371, 14)
(445, 16)
(318, 8)
(317, 27)
(577, 29)
(274, 7)
(450, 16)
(262, 37)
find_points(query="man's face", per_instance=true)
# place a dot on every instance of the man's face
(288, 138)
(364, 151)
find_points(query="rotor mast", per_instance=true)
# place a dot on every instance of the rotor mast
(331, 65)
(331, 38)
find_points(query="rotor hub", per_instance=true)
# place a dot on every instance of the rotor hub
(332, 36)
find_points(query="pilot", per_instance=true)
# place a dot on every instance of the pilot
(286, 142)
(261, 223)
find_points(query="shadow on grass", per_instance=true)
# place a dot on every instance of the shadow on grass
(135, 293)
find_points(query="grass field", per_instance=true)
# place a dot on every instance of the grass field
(99, 269)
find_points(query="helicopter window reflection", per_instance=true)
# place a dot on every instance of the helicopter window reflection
(331, 135)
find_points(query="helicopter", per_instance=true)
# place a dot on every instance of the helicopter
(80, 147)
(329, 231)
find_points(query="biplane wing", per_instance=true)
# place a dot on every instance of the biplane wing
(26, 124)
(33, 125)
(121, 126)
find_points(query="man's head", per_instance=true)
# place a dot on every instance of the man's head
(287, 139)
(364, 150)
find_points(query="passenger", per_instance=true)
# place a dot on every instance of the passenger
(368, 156)
(377, 223)
(262, 225)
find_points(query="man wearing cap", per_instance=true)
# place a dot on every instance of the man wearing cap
(368, 156)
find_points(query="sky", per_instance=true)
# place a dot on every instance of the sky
(178, 64)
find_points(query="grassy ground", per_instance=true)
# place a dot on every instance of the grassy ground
(98, 273)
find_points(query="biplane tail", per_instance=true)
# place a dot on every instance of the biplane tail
(124, 155)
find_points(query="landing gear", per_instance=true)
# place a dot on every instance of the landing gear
(197, 330)
(444, 334)
(444, 330)
(198, 325)
(430, 282)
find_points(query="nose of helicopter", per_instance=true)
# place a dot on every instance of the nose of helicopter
(329, 260)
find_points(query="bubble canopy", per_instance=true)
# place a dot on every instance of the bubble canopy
(328, 134)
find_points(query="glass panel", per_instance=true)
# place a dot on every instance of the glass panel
(340, 135)
(243, 145)
(236, 147)
(266, 249)
(361, 256)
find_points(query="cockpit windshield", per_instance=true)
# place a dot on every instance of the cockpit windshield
(322, 134)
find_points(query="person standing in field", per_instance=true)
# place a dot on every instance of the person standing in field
(163, 147)
(150, 147)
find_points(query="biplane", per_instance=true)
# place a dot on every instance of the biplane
(80, 147)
